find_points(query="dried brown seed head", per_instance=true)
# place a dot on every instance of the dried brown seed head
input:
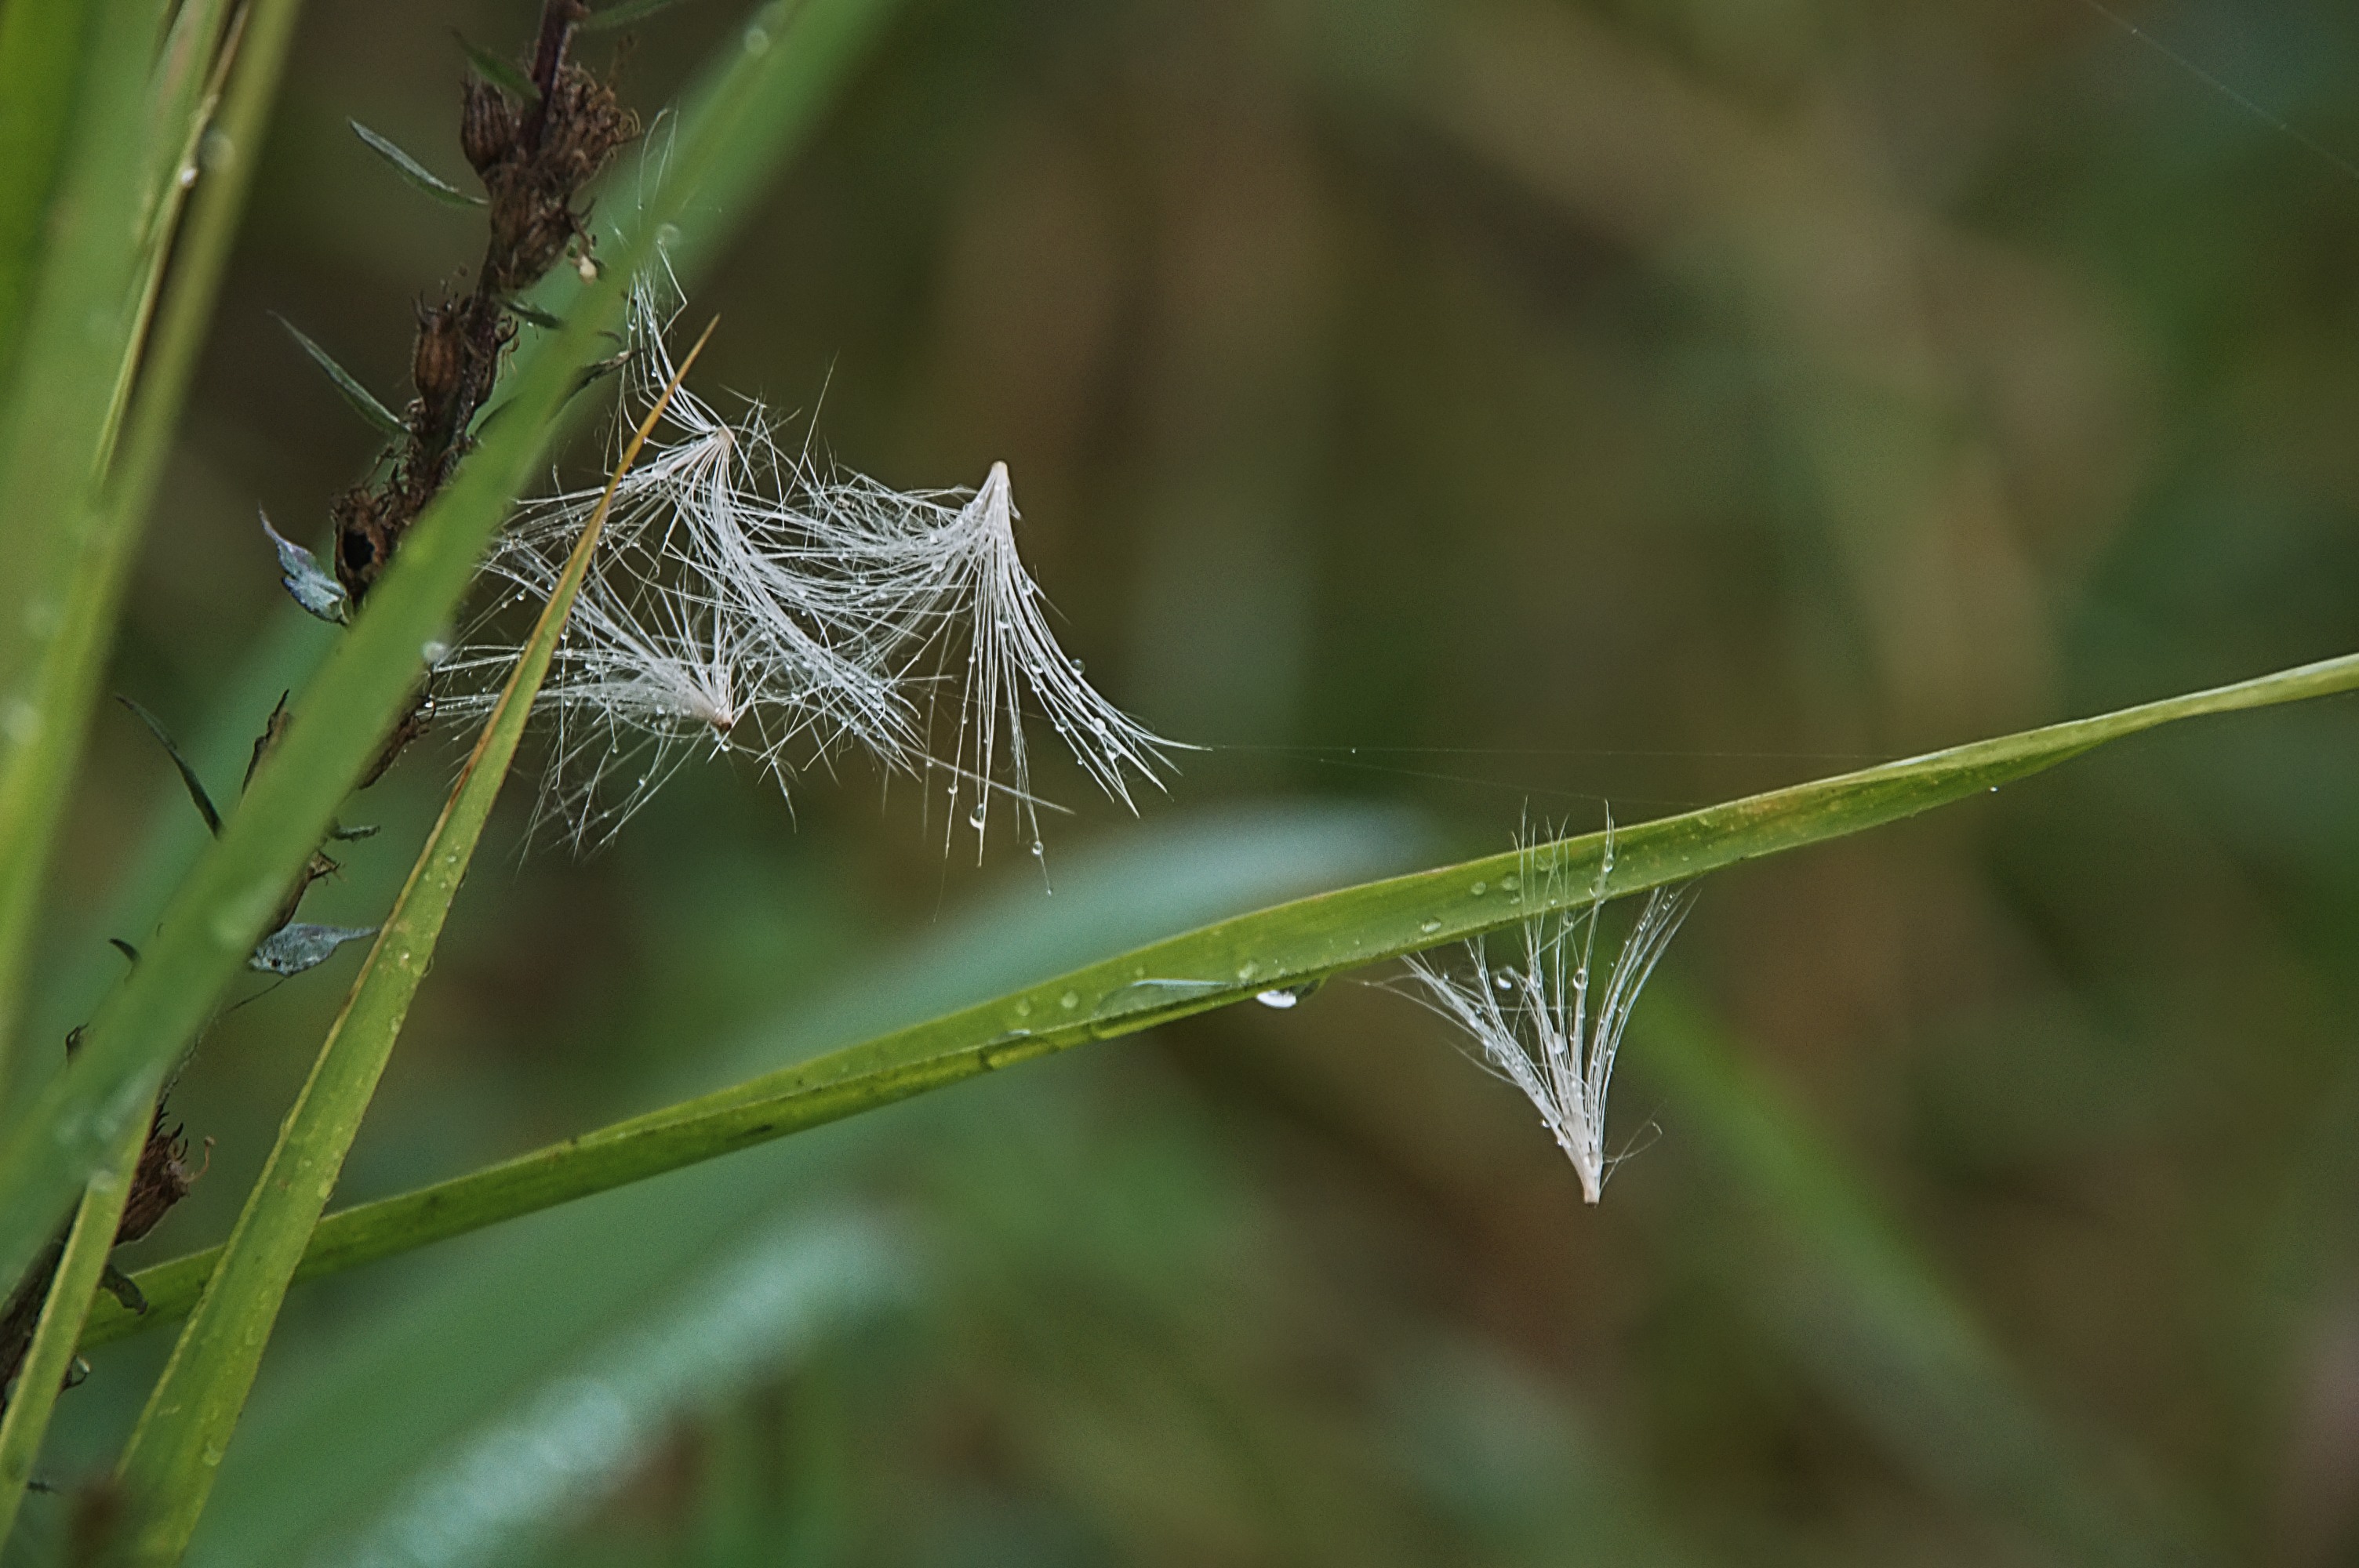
(487, 126)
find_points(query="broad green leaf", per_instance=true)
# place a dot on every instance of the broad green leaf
(175, 1451)
(1291, 944)
(410, 169)
(754, 107)
(363, 402)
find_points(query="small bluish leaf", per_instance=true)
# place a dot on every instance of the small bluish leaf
(410, 169)
(307, 583)
(624, 15)
(500, 72)
(299, 945)
(363, 400)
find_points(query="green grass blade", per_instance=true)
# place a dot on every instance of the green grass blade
(410, 169)
(88, 1245)
(504, 74)
(624, 15)
(363, 402)
(175, 1451)
(56, 406)
(1873, 1321)
(40, 49)
(750, 112)
(189, 81)
(189, 88)
(437, 1356)
(1291, 944)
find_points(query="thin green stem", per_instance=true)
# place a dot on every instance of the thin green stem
(55, 404)
(756, 104)
(80, 1268)
(113, 517)
(1288, 945)
(168, 1468)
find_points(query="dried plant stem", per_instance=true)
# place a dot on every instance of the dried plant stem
(168, 1469)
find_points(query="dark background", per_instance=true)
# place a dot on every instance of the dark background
(1446, 414)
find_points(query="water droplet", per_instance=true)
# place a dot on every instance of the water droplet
(667, 235)
(1281, 999)
(975, 818)
(1504, 979)
(1431, 926)
(1511, 881)
(1479, 889)
(1024, 1007)
(1070, 1000)
(758, 40)
(1040, 850)
(188, 176)
(951, 792)
(1077, 664)
(1245, 971)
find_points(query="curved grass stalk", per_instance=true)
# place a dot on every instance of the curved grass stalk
(68, 352)
(764, 94)
(111, 523)
(1290, 945)
(87, 1246)
(175, 1451)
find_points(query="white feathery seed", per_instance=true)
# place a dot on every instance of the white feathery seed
(1532, 1023)
(966, 619)
(743, 597)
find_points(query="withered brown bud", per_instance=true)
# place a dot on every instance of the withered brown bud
(162, 1179)
(486, 125)
(532, 196)
(363, 541)
(438, 360)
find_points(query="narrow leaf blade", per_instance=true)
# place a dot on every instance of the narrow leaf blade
(174, 1453)
(1288, 945)
(363, 402)
(499, 72)
(82, 1261)
(196, 786)
(624, 15)
(754, 108)
(410, 169)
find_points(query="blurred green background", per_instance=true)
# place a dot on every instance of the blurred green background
(1446, 412)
